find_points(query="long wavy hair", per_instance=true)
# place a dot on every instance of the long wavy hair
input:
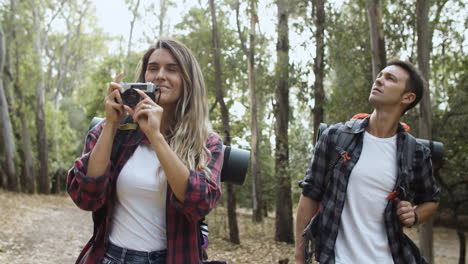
(191, 129)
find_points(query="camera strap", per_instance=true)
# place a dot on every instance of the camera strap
(128, 126)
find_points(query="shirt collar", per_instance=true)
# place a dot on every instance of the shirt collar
(361, 126)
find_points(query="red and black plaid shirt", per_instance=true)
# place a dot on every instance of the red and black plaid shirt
(99, 194)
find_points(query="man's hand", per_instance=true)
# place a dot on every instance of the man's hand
(406, 213)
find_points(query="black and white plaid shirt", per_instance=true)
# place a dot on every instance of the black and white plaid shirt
(331, 195)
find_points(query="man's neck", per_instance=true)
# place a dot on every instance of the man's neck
(383, 124)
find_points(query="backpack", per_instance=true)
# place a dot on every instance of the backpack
(344, 140)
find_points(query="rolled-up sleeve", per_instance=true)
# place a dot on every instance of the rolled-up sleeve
(425, 186)
(88, 193)
(203, 191)
(312, 185)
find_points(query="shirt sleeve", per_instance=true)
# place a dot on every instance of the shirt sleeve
(87, 192)
(203, 191)
(424, 185)
(312, 185)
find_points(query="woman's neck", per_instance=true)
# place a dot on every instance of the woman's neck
(167, 119)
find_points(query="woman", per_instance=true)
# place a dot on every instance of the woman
(148, 187)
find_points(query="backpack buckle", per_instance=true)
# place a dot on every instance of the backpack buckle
(345, 156)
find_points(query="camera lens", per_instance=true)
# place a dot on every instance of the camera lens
(131, 98)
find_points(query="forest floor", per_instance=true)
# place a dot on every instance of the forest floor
(51, 229)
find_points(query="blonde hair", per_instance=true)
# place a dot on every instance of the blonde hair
(191, 129)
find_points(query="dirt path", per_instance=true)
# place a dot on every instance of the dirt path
(41, 229)
(51, 229)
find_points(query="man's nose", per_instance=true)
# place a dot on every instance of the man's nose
(378, 80)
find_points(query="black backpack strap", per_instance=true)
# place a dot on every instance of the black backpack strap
(202, 233)
(344, 139)
(406, 167)
(409, 153)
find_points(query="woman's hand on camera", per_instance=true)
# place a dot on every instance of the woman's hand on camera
(113, 101)
(148, 114)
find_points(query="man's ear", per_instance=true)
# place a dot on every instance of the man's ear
(408, 98)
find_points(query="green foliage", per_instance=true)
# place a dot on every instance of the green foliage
(399, 25)
(63, 141)
(450, 126)
(349, 59)
(449, 90)
(92, 96)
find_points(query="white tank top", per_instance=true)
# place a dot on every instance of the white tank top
(139, 219)
(362, 237)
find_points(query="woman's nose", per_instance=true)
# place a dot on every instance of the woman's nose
(161, 74)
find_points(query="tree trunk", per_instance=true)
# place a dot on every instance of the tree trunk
(132, 25)
(379, 61)
(255, 161)
(27, 175)
(232, 217)
(162, 16)
(6, 128)
(319, 94)
(42, 151)
(283, 221)
(7, 78)
(28, 170)
(254, 142)
(424, 46)
(2, 177)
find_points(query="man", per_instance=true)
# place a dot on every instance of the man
(365, 202)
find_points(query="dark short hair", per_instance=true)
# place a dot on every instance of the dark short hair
(415, 84)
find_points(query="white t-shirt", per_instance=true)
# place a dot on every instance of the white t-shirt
(362, 237)
(139, 220)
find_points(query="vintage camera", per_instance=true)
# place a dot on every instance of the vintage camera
(131, 98)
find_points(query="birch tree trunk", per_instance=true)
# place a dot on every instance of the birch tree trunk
(283, 221)
(424, 46)
(231, 205)
(379, 60)
(6, 128)
(319, 94)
